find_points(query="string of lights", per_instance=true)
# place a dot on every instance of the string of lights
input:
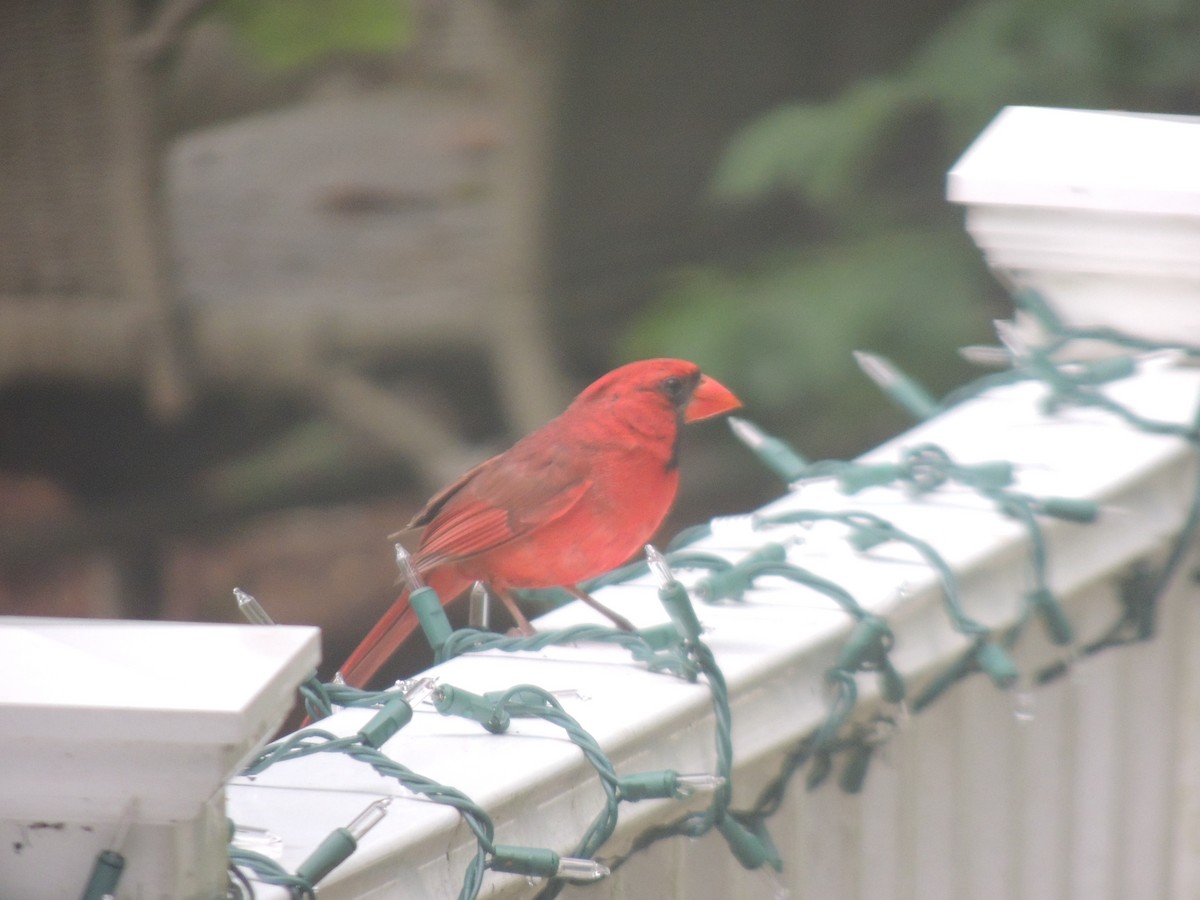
(847, 739)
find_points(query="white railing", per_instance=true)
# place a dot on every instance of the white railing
(1081, 784)
(1073, 789)
(116, 739)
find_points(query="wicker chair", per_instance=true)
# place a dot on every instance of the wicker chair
(84, 288)
(86, 283)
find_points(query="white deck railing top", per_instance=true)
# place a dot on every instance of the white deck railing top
(774, 645)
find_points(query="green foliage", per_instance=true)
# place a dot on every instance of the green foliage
(1083, 53)
(888, 268)
(289, 33)
(783, 332)
(819, 150)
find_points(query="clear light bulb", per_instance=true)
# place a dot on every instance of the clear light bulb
(747, 432)
(260, 840)
(700, 782)
(408, 572)
(417, 690)
(581, 869)
(1011, 337)
(878, 369)
(659, 567)
(368, 818)
(479, 613)
(249, 607)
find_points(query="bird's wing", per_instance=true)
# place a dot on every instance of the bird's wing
(498, 501)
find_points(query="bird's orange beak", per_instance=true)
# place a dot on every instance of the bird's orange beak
(711, 398)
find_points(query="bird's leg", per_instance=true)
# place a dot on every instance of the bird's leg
(616, 618)
(522, 626)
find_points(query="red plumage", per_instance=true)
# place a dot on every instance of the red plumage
(572, 500)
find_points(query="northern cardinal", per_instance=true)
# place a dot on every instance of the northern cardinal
(572, 500)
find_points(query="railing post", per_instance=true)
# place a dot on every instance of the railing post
(117, 738)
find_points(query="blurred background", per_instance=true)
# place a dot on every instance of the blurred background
(272, 271)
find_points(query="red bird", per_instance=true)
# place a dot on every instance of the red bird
(574, 499)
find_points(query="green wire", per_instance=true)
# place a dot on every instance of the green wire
(312, 740)
(922, 470)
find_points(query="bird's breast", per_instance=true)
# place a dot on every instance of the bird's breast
(627, 500)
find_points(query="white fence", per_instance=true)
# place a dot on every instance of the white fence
(1076, 789)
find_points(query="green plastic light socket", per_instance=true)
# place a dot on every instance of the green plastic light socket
(433, 619)
(393, 716)
(452, 701)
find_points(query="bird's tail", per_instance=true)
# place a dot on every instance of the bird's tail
(394, 628)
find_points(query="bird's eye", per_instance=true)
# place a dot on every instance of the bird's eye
(673, 388)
